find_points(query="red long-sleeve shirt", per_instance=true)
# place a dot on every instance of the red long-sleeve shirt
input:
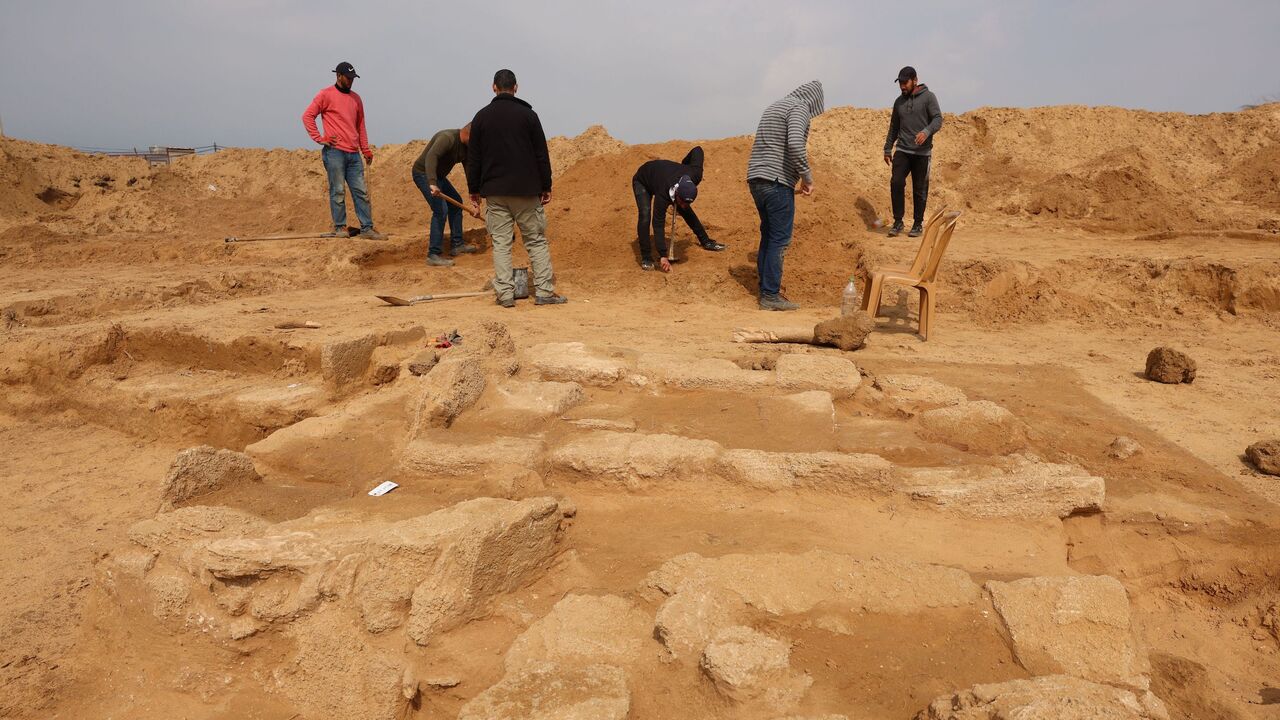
(343, 117)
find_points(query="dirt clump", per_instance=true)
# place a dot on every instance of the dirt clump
(1166, 365)
(201, 470)
(1123, 448)
(1265, 455)
(847, 332)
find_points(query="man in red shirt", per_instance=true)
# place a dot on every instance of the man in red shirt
(344, 139)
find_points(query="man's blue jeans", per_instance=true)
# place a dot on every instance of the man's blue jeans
(440, 212)
(776, 204)
(346, 169)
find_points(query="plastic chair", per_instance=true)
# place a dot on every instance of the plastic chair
(923, 280)
(926, 245)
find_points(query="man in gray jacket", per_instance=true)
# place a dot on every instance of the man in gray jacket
(916, 118)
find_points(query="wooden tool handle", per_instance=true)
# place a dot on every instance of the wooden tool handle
(785, 335)
(449, 296)
(459, 205)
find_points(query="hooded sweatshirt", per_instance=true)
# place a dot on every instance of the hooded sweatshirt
(779, 153)
(911, 114)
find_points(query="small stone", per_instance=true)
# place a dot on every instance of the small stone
(1265, 455)
(1123, 448)
(1166, 365)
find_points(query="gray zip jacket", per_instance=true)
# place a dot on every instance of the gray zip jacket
(779, 153)
(912, 114)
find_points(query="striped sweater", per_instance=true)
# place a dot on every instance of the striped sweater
(779, 153)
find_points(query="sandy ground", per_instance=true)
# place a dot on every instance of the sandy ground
(119, 348)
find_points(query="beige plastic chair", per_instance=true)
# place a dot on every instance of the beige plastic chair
(922, 254)
(921, 279)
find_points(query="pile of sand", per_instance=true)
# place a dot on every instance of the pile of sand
(1106, 169)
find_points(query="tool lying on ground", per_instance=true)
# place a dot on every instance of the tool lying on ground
(298, 325)
(351, 232)
(473, 213)
(521, 277)
(847, 332)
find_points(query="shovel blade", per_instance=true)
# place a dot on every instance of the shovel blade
(393, 300)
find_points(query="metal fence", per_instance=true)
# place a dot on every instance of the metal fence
(154, 155)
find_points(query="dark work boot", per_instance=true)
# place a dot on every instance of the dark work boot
(916, 230)
(896, 230)
(776, 302)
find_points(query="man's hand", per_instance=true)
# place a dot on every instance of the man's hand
(475, 210)
(665, 264)
(921, 137)
(806, 187)
(368, 159)
(475, 200)
(546, 198)
(435, 191)
(888, 159)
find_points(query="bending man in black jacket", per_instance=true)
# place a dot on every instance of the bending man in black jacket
(916, 119)
(657, 185)
(507, 164)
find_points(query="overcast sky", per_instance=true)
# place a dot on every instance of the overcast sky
(135, 73)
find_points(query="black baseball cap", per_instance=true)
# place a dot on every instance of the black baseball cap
(906, 73)
(346, 69)
(686, 190)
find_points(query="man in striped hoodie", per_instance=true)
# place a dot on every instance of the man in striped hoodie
(780, 160)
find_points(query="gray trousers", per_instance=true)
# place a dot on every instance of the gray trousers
(502, 214)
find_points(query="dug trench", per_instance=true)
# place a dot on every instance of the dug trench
(870, 586)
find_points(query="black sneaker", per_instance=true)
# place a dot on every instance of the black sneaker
(507, 302)
(439, 261)
(465, 249)
(776, 302)
(896, 230)
(550, 300)
(916, 230)
(646, 264)
(711, 245)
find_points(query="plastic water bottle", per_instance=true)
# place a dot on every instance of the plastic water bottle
(849, 300)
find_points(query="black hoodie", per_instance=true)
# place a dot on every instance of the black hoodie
(911, 114)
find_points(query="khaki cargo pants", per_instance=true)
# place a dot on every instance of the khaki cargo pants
(502, 214)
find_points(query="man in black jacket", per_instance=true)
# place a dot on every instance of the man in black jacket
(657, 185)
(508, 165)
(916, 118)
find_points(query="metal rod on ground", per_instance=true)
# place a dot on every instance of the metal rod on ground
(301, 236)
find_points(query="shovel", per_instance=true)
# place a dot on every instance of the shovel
(402, 302)
(521, 278)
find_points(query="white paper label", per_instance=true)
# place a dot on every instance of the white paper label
(383, 489)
